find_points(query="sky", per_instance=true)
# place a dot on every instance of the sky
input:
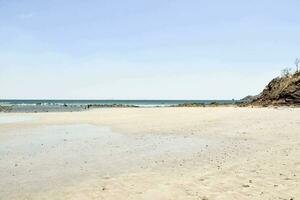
(144, 49)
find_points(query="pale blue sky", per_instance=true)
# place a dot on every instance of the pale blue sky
(150, 49)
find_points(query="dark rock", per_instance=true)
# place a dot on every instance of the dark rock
(246, 186)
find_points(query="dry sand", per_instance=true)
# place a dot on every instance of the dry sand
(151, 153)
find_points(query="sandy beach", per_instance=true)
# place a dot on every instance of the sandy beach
(151, 153)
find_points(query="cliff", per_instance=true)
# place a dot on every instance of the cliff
(281, 91)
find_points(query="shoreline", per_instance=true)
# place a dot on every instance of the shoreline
(79, 108)
(82, 105)
(85, 108)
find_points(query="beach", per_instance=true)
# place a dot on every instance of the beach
(151, 153)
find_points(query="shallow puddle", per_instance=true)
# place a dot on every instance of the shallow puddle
(6, 119)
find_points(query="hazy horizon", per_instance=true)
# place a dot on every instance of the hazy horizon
(143, 50)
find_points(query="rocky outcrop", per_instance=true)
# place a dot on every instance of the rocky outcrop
(111, 106)
(250, 98)
(4, 108)
(189, 105)
(281, 91)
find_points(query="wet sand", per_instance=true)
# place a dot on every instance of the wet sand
(151, 153)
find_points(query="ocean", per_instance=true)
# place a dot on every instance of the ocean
(140, 103)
